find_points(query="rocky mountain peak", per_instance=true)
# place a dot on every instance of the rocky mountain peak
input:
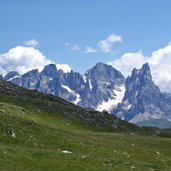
(104, 73)
(141, 77)
(146, 67)
(49, 70)
(33, 72)
(11, 75)
(143, 100)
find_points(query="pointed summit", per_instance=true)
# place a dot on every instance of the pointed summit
(11, 75)
(146, 66)
(104, 72)
(100, 64)
(141, 77)
(31, 73)
(49, 70)
(146, 75)
(143, 100)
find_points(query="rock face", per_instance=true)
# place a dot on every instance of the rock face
(102, 88)
(104, 82)
(143, 100)
(11, 75)
(14, 77)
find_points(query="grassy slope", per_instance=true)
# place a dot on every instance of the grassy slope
(42, 134)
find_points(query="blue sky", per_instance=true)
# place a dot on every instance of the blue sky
(60, 25)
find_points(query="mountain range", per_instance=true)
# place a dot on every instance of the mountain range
(103, 88)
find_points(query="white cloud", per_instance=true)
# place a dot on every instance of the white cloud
(24, 59)
(65, 67)
(31, 42)
(75, 48)
(107, 44)
(128, 61)
(114, 38)
(159, 61)
(90, 50)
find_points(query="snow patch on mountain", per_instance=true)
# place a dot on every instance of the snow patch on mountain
(77, 100)
(90, 85)
(16, 76)
(129, 106)
(112, 103)
(84, 78)
(67, 88)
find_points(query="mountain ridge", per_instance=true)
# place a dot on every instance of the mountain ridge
(103, 88)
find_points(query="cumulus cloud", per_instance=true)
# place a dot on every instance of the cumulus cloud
(128, 61)
(159, 61)
(24, 59)
(65, 67)
(107, 44)
(31, 42)
(90, 50)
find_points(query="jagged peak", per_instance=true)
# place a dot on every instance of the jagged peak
(50, 66)
(49, 69)
(146, 66)
(73, 75)
(32, 72)
(99, 66)
(145, 69)
(11, 74)
(141, 77)
(135, 71)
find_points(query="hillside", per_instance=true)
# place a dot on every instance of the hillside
(36, 102)
(43, 132)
